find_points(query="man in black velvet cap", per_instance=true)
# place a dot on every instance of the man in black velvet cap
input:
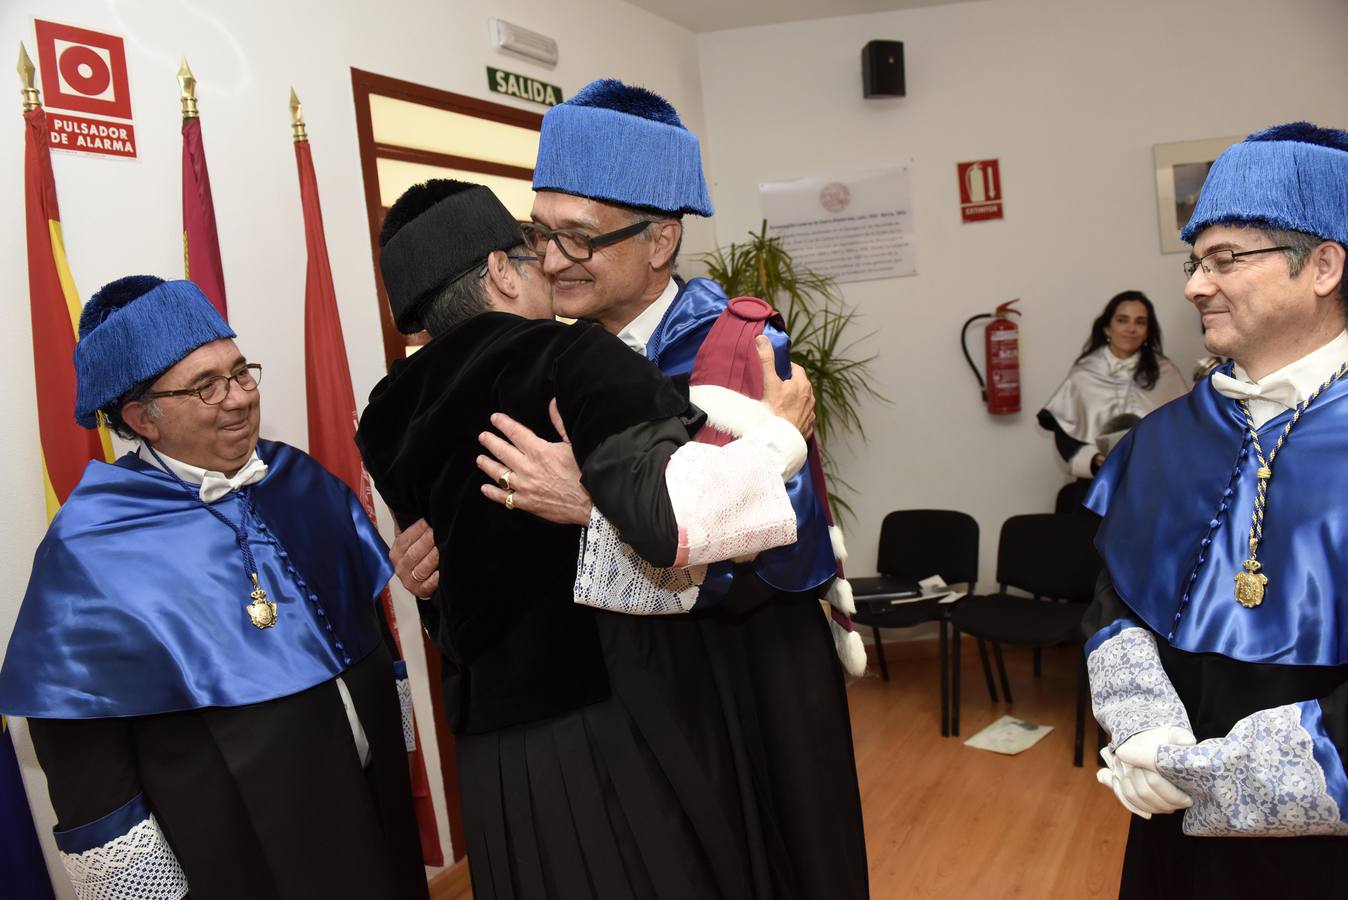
(562, 790)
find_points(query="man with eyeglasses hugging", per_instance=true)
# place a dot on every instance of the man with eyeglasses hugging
(1219, 650)
(200, 653)
(616, 173)
(567, 787)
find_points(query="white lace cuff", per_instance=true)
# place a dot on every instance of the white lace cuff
(729, 502)
(405, 704)
(1262, 779)
(1130, 691)
(122, 856)
(610, 575)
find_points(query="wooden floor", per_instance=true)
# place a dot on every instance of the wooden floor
(948, 821)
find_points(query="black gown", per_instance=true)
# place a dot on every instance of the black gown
(1160, 860)
(605, 755)
(257, 801)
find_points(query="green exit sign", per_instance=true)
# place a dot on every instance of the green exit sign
(500, 81)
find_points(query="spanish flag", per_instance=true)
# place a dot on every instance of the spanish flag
(66, 447)
(332, 419)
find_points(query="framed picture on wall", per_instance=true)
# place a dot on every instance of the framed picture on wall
(1180, 170)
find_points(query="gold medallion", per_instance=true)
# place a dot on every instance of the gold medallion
(262, 611)
(1250, 585)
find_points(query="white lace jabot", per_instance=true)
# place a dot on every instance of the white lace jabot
(1287, 387)
(213, 485)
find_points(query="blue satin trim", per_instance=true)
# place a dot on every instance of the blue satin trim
(1177, 495)
(809, 562)
(101, 831)
(1111, 630)
(1326, 754)
(136, 604)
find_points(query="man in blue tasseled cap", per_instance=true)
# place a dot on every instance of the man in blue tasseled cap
(200, 653)
(1218, 648)
(616, 173)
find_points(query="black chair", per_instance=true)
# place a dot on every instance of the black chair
(914, 544)
(1051, 556)
(1071, 497)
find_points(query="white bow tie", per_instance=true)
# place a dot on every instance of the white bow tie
(1282, 392)
(214, 485)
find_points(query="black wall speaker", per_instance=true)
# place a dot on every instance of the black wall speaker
(882, 69)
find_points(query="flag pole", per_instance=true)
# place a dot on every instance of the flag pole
(60, 440)
(31, 98)
(201, 239)
(297, 132)
(187, 87)
(332, 418)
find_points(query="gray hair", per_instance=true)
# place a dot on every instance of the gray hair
(113, 412)
(465, 297)
(1299, 246)
(637, 214)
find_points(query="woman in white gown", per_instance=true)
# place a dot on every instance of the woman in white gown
(1120, 376)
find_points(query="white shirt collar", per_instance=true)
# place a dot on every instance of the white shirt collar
(1289, 386)
(213, 485)
(1117, 365)
(637, 333)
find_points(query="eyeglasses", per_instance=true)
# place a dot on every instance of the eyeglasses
(215, 389)
(486, 263)
(1221, 262)
(577, 246)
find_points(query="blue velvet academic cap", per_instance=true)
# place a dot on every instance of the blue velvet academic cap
(625, 145)
(1291, 177)
(136, 328)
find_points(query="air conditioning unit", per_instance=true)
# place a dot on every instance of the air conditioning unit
(523, 42)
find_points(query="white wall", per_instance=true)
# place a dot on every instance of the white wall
(1070, 95)
(123, 217)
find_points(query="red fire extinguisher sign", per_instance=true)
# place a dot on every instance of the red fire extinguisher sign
(980, 190)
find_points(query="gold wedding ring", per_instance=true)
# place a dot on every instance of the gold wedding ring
(510, 500)
(504, 480)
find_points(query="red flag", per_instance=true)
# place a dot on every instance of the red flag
(55, 304)
(201, 242)
(332, 427)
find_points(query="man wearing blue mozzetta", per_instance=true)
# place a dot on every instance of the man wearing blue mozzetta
(616, 173)
(200, 653)
(1219, 654)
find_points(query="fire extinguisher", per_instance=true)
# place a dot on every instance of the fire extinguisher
(1001, 354)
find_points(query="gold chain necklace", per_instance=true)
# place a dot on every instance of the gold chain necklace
(1251, 583)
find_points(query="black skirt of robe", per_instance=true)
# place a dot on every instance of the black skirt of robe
(721, 766)
(267, 801)
(1162, 862)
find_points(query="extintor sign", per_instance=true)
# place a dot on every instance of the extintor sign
(980, 190)
(84, 71)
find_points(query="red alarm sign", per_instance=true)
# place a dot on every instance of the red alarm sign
(84, 71)
(980, 190)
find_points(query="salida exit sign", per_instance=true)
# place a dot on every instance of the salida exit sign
(499, 81)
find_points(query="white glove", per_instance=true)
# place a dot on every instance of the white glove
(1112, 777)
(1134, 778)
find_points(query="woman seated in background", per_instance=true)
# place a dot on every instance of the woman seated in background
(1119, 377)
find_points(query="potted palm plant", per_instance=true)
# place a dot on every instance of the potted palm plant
(817, 320)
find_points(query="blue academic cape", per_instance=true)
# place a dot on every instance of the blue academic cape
(807, 564)
(1177, 496)
(136, 603)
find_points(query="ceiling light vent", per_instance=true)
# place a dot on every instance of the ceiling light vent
(523, 42)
